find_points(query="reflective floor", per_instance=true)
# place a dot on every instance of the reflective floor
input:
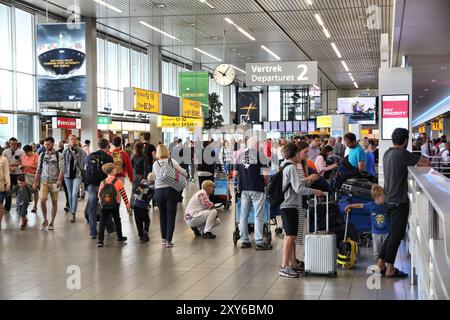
(33, 265)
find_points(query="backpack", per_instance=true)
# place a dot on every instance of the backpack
(94, 166)
(108, 195)
(118, 161)
(275, 192)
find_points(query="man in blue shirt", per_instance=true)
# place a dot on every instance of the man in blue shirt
(356, 156)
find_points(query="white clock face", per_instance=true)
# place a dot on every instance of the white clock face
(224, 74)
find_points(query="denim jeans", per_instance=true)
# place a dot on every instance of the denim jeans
(92, 209)
(73, 187)
(255, 199)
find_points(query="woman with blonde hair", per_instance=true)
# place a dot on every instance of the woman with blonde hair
(166, 197)
(370, 157)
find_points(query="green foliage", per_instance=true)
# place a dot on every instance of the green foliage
(215, 119)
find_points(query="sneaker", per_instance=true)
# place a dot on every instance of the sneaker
(146, 237)
(100, 244)
(169, 244)
(141, 239)
(287, 273)
(93, 237)
(299, 266)
(51, 227)
(122, 239)
(208, 235)
(263, 246)
(196, 231)
(246, 245)
(67, 209)
(164, 242)
(44, 225)
(73, 219)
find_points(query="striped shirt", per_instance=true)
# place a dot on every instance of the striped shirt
(119, 188)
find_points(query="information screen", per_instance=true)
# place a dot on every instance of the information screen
(311, 125)
(266, 126)
(304, 126)
(274, 126)
(296, 126)
(394, 114)
(289, 126)
(281, 126)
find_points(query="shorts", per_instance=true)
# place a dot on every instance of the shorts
(2, 197)
(289, 217)
(47, 188)
(29, 179)
(22, 209)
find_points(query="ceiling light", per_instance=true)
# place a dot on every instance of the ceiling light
(326, 32)
(208, 54)
(356, 85)
(234, 49)
(444, 68)
(426, 90)
(243, 71)
(319, 19)
(309, 2)
(248, 35)
(160, 31)
(205, 2)
(316, 87)
(229, 20)
(103, 3)
(433, 81)
(270, 52)
(345, 65)
(335, 48)
(249, 58)
(161, 5)
(215, 38)
(420, 96)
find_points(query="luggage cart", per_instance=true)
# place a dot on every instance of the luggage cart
(267, 234)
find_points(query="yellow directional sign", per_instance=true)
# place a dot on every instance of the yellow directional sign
(3, 120)
(178, 122)
(142, 100)
(191, 108)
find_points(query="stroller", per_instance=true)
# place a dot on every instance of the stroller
(222, 194)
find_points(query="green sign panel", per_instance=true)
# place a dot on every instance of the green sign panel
(103, 120)
(195, 86)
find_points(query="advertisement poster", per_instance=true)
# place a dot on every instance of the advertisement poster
(248, 107)
(394, 114)
(195, 86)
(360, 110)
(61, 68)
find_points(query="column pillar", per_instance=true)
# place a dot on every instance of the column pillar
(226, 105)
(428, 129)
(265, 104)
(446, 127)
(156, 79)
(89, 108)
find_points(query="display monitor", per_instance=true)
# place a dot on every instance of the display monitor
(360, 110)
(394, 114)
(296, 126)
(289, 127)
(266, 126)
(281, 126)
(274, 126)
(311, 125)
(304, 126)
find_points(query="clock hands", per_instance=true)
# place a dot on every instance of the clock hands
(224, 74)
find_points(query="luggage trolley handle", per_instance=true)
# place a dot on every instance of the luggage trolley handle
(346, 225)
(327, 212)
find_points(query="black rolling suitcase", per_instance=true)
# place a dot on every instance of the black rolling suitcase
(358, 187)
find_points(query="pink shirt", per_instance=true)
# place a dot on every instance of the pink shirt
(30, 163)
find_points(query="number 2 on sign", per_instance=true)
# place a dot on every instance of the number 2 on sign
(304, 69)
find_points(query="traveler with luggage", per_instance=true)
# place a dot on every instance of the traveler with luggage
(74, 161)
(14, 155)
(167, 191)
(321, 161)
(149, 152)
(378, 218)
(200, 212)
(122, 161)
(29, 168)
(94, 176)
(251, 182)
(109, 193)
(395, 164)
(314, 149)
(293, 192)
(139, 162)
(356, 154)
(143, 194)
(370, 157)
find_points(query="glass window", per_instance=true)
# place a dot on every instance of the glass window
(145, 71)
(274, 104)
(113, 66)
(124, 68)
(113, 101)
(6, 90)
(101, 99)
(25, 90)
(25, 129)
(135, 69)
(24, 41)
(100, 62)
(5, 38)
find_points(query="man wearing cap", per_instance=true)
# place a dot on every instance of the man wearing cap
(201, 213)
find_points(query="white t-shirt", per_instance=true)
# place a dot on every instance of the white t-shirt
(446, 156)
(14, 158)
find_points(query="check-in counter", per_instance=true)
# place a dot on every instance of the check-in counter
(429, 233)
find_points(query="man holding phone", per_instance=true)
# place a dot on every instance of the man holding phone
(14, 156)
(50, 174)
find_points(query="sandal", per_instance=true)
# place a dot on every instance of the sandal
(34, 210)
(44, 224)
(397, 274)
(50, 227)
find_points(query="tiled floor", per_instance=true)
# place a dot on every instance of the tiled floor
(33, 265)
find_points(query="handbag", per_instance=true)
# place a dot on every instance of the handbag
(171, 176)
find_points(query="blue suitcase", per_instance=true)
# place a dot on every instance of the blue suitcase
(359, 217)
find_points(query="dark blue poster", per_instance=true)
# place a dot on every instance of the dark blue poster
(61, 55)
(248, 107)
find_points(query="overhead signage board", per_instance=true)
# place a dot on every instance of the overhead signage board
(437, 125)
(394, 114)
(3, 120)
(422, 129)
(324, 121)
(170, 105)
(281, 73)
(103, 120)
(66, 123)
(141, 100)
(191, 108)
(194, 85)
(178, 122)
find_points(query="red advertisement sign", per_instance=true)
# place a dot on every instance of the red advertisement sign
(395, 114)
(66, 123)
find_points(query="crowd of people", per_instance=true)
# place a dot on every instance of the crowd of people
(158, 176)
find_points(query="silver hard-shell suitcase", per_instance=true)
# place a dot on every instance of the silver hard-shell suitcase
(320, 247)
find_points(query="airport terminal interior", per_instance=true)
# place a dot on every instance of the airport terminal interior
(224, 150)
